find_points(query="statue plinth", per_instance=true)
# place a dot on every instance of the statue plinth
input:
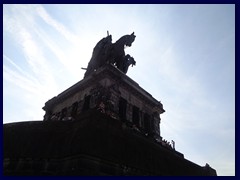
(114, 94)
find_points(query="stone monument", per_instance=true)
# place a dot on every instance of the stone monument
(105, 124)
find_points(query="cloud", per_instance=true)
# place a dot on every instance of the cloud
(20, 70)
(75, 54)
(39, 78)
(55, 24)
(19, 80)
(30, 37)
(36, 79)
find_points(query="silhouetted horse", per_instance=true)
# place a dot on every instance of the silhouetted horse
(106, 52)
(116, 51)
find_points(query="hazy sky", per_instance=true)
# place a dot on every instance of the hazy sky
(185, 58)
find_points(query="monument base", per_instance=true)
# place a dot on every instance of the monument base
(95, 145)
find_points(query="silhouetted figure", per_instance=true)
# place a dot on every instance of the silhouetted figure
(127, 61)
(100, 52)
(173, 144)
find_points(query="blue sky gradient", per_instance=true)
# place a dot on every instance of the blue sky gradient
(185, 58)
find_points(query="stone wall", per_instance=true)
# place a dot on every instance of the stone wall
(95, 145)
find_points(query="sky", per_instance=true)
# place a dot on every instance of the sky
(185, 58)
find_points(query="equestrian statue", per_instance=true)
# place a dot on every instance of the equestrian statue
(106, 52)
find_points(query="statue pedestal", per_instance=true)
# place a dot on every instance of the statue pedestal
(113, 93)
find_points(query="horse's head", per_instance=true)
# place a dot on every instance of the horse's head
(130, 39)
